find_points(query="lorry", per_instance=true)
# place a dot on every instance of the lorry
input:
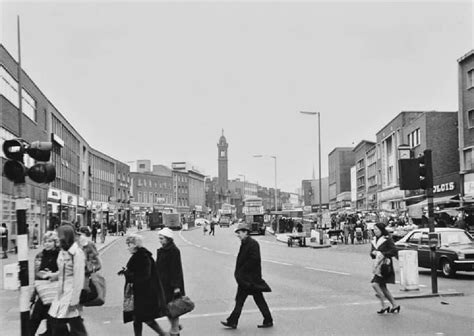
(159, 220)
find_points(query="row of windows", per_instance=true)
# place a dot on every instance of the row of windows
(9, 89)
(414, 138)
(469, 159)
(155, 198)
(161, 185)
(101, 190)
(102, 169)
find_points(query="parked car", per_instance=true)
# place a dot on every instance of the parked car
(201, 221)
(455, 251)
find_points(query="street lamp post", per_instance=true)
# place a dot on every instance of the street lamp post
(319, 161)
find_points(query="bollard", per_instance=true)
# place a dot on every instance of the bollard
(408, 263)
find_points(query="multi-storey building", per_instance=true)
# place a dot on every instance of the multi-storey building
(311, 191)
(466, 126)
(361, 179)
(151, 191)
(69, 196)
(371, 176)
(420, 130)
(341, 159)
(191, 187)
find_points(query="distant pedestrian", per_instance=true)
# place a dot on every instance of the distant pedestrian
(45, 266)
(382, 251)
(170, 272)
(213, 228)
(4, 236)
(103, 232)
(204, 228)
(142, 280)
(248, 274)
(94, 232)
(35, 240)
(66, 309)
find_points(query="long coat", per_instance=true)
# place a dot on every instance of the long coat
(148, 298)
(71, 265)
(388, 249)
(170, 270)
(248, 269)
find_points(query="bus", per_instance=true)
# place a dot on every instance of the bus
(159, 220)
(225, 215)
(254, 215)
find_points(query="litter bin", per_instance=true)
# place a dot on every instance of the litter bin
(408, 263)
(10, 277)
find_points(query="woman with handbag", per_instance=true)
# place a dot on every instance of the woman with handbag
(382, 251)
(170, 273)
(45, 290)
(143, 299)
(66, 309)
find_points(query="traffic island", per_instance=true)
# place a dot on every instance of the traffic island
(423, 294)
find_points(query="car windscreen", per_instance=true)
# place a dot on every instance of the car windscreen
(455, 238)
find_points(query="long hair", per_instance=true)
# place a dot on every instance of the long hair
(67, 236)
(383, 230)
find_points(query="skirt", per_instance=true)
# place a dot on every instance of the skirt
(378, 279)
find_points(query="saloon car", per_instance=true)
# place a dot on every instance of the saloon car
(455, 251)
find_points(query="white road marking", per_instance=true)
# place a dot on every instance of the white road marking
(325, 270)
(277, 262)
(206, 248)
(222, 252)
(106, 322)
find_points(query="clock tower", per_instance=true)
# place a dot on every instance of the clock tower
(222, 159)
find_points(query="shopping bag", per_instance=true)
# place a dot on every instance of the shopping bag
(94, 294)
(47, 290)
(128, 303)
(180, 306)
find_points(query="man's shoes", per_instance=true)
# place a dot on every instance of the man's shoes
(229, 325)
(265, 325)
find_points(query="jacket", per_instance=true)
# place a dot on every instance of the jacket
(71, 264)
(148, 298)
(248, 268)
(170, 270)
(46, 259)
(386, 246)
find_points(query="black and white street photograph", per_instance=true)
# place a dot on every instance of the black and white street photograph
(237, 168)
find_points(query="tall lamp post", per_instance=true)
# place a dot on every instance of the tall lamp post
(319, 162)
(276, 190)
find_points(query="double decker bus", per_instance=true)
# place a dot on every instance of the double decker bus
(254, 215)
(225, 215)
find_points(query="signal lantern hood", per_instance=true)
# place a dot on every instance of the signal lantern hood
(42, 173)
(14, 149)
(15, 171)
(40, 150)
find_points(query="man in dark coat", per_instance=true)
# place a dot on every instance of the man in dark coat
(248, 274)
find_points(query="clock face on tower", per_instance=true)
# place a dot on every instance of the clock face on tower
(222, 153)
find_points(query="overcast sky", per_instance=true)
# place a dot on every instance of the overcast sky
(157, 80)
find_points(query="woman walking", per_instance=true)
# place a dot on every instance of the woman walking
(170, 272)
(66, 309)
(140, 275)
(382, 251)
(45, 264)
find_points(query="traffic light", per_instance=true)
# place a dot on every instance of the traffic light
(416, 173)
(425, 170)
(15, 170)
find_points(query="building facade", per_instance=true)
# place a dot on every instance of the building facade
(466, 126)
(361, 178)
(341, 159)
(310, 190)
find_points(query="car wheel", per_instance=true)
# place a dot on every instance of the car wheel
(447, 268)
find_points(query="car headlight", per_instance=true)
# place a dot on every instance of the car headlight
(460, 255)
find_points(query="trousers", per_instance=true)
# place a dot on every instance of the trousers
(76, 326)
(240, 298)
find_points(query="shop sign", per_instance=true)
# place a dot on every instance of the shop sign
(198, 208)
(287, 206)
(54, 194)
(450, 186)
(81, 202)
(390, 194)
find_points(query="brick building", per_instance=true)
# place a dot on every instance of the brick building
(466, 126)
(361, 178)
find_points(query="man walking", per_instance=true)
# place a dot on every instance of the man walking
(213, 227)
(248, 274)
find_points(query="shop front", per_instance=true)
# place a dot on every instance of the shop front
(53, 210)
(68, 207)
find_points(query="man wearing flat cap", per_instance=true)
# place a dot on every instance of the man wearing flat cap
(248, 274)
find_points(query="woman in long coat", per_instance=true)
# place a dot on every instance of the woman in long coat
(66, 308)
(170, 271)
(382, 251)
(148, 300)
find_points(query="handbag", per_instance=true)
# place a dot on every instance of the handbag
(94, 294)
(128, 303)
(386, 268)
(179, 306)
(47, 290)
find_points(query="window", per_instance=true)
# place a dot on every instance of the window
(141, 166)
(470, 78)
(470, 118)
(469, 159)
(28, 105)
(8, 86)
(390, 175)
(424, 238)
(414, 138)
(140, 197)
(415, 238)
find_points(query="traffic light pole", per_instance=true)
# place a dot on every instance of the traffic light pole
(22, 243)
(431, 224)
